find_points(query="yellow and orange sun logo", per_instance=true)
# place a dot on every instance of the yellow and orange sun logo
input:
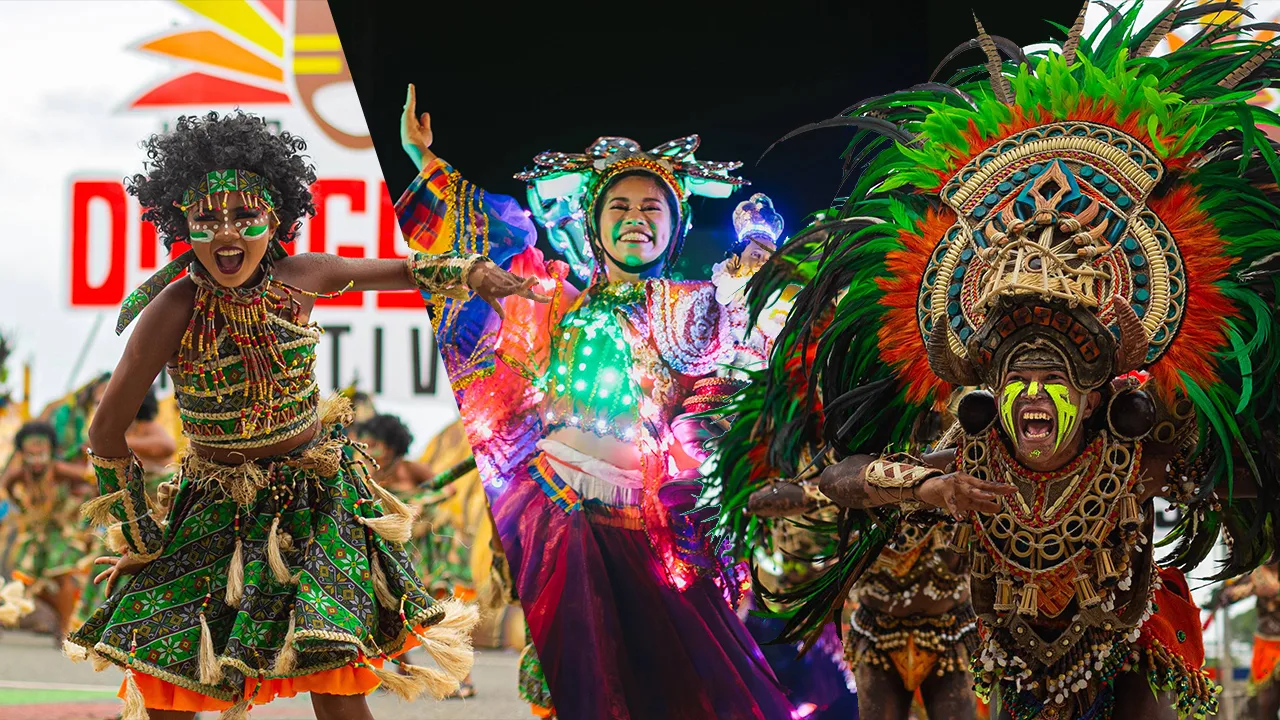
(250, 56)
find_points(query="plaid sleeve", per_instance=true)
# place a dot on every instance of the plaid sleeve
(442, 212)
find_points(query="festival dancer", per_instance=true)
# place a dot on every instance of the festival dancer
(569, 409)
(279, 567)
(46, 494)
(1264, 691)
(1069, 240)
(70, 418)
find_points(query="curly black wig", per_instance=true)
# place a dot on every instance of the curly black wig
(388, 430)
(36, 428)
(178, 159)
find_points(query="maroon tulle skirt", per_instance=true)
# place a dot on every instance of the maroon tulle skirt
(615, 638)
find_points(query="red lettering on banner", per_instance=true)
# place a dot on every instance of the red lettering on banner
(321, 191)
(111, 290)
(388, 236)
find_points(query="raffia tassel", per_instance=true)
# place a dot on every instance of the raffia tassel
(210, 670)
(239, 711)
(235, 576)
(439, 685)
(98, 510)
(100, 662)
(336, 409)
(279, 568)
(458, 616)
(393, 528)
(389, 501)
(407, 687)
(74, 652)
(115, 539)
(380, 586)
(451, 651)
(135, 706)
(287, 660)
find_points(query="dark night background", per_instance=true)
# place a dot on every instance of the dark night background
(503, 85)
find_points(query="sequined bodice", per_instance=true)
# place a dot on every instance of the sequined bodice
(590, 383)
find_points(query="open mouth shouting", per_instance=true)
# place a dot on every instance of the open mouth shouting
(1036, 425)
(229, 259)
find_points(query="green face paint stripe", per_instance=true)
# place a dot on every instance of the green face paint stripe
(255, 231)
(201, 236)
(1067, 413)
(1011, 393)
(1034, 390)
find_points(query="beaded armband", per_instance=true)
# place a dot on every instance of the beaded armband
(900, 474)
(443, 275)
(123, 500)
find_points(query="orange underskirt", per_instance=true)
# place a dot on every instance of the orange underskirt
(1266, 654)
(346, 680)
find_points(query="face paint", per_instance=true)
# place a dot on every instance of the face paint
(1034, 389)
(1011, 393)
(201, 236)
(1067, 413)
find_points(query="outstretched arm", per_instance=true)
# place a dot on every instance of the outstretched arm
(863, 481)
(325, 273)
(155, 340)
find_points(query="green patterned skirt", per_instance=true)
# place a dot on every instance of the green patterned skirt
(306, 574)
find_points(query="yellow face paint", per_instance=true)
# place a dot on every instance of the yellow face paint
(1034, 389)
(1010, 393)
(1067, 412)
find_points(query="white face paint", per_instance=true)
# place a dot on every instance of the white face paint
(230, 236)
(253, 228)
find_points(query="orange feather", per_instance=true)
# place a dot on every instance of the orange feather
(1203, 330)
(900, 342)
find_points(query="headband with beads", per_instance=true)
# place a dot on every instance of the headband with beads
(255, 188)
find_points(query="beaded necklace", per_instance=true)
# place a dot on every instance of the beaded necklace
(274, 381)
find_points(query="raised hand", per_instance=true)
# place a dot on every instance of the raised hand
(415, 130)
(492, 283)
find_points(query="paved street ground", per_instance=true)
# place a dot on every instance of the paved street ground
(38, 683)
